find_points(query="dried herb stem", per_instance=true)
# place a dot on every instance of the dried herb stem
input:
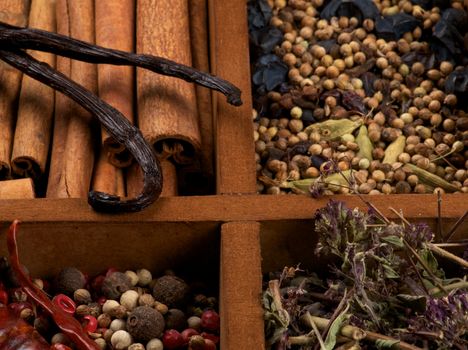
(274, 287)
(348, 331)
(425, 267)
(449, 287)
(443, 253)
(341, 306)
(316, 331)
(301, 340)
(401, 344)
(455, 226)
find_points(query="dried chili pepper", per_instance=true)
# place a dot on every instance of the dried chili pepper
(68, 325)
(13, 40)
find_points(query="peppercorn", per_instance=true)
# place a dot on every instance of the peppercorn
(171, 290)
(68, 280)
(175, 319)
(145, 323)
(115, 284)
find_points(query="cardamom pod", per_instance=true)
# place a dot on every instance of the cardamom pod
(340, 179)
(333, 129)
(364, 143)
(429, 179)
(394, 150)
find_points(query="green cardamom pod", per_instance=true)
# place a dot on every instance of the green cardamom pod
(333, 129)
(365, 144)
(394, 150)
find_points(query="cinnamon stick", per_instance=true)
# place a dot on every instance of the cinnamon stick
(108, 178)
(62, 110)
(13, 12)
(115, 27)
(75, 179)
(167, 109)
(198, 10)
(17, 189)
(36, 105)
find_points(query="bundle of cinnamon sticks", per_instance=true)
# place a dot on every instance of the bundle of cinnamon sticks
(51, 147)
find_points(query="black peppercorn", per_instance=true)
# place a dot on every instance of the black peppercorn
(171, 290)
(68, 280)
(175, 319)
(115, 285)
(145, 323)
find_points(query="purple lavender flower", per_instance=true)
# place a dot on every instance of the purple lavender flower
(447, 316)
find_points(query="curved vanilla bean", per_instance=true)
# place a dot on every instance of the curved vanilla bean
(34, 39)
(112, 120)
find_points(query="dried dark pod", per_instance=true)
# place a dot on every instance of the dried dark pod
(171, 290)
(175, 319)
(115, 285)
(68, 280)
(145, 323)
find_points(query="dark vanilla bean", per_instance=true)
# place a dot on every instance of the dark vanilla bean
(13, 40)
(114, 123)
(34, 39)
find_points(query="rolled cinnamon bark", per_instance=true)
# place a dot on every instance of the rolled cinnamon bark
(75, 179)
(115, 28)
(17, 189)
(62, 110)
(107, 177)
(14, 12)
(198, 10)
(36, 105)
(167, 109)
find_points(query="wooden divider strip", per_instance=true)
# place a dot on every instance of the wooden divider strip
(240, 287)
(234, 144)
(233, 208)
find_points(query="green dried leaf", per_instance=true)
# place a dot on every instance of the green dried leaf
(431, 262)
(335, 328)
(416, 303)
(394, 240)
(387, 344)
(389, 272)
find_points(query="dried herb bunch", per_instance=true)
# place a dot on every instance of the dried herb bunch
(15, 40)
(373, 85)
(384, 289)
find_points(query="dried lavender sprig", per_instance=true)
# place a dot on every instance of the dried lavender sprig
(114, 123)
(12, 37)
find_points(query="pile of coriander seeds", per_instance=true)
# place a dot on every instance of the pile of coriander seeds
(370, 89)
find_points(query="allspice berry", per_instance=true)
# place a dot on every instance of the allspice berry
(68, 280)
(115, 285)
(145, 323)
(171, 290)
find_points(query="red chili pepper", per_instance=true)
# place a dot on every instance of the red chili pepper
(3, 297)
(65, 303)
(15, 333)
(69, 326)
(90, 323)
